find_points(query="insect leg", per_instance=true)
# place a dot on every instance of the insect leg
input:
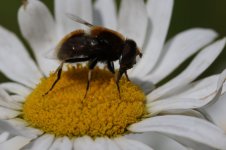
(110, 66)
(127, 77)
(119, 75)
(58, 72)
(88, 82)
(92, 64)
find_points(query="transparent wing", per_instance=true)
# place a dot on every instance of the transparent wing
(78, 19)
(50, 54)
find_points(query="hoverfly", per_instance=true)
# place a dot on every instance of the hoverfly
(98, 44)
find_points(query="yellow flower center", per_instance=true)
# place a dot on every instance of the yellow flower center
(65, 112)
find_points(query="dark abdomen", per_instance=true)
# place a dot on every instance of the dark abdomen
(102, 44)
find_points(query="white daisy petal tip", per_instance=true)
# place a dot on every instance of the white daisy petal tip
(39, 29)
(219, 44)
(36, 33)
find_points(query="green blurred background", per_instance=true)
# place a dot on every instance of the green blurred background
(186, 14)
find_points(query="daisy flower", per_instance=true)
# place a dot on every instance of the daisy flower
(145, 117)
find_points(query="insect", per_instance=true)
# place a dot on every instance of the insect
(98, 44)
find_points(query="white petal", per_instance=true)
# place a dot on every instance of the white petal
(178, 50)
(63, 143)
(224, 88)
(18, 98)
(4, 136)
(105, 13)
(207, 90)
(16, 88)
(127, 144)
(15, 143)
(173, 104)
(86, 143)
(159, 12)
(191, 145)
(39, 29)
(192, 128)
(7, 101)
(13, 130)
(4, 95)
(21, 67)
(199, 64)
(222, 80)
(157, 141)
(198, 89)
(217, 112)
(184, 112)
(107, 144)
(18, 122)
(31, 132)
(81, 8)
(19, 127)
(41, 143)
(133, 20)
(146, 86)
(6, 113)
(195, 95)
